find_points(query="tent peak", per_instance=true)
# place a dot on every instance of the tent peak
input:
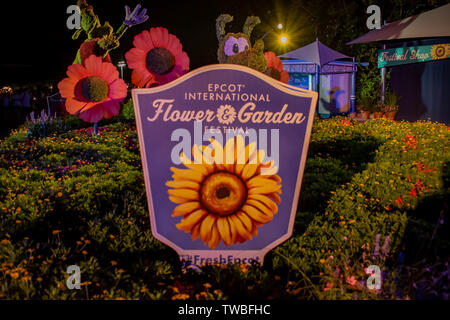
(315, 52)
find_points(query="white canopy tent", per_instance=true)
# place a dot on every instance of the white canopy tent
(430, 24)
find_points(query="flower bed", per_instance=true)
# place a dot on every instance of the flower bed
(372, 194)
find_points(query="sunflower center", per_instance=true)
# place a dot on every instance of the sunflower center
(223, 193)
(94, 88)
(160, 61)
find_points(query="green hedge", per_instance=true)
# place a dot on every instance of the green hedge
(74, 198)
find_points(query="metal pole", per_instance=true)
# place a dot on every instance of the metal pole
(353, 87)
(383, 80)
(318, 86)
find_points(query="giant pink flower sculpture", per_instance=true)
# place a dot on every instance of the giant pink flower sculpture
(157, 58)
(94, 91)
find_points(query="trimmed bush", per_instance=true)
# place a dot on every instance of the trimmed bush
(374, 193)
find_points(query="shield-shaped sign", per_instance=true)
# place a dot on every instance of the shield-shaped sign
(223, 152)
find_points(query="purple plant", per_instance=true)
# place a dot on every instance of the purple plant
(135, 17)
(41, 118)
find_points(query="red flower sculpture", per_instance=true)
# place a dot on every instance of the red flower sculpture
(275, 67)
(94, 90)
(91, 47)
(157, 58)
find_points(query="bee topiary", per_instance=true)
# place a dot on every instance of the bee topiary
(236, 48)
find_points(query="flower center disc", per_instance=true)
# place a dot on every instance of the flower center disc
(94, 88)
(160, 61)
(223, 193)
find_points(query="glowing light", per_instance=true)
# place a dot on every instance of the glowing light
(280, 26)
(283, 39)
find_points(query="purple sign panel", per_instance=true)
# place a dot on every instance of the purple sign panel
(223, 151)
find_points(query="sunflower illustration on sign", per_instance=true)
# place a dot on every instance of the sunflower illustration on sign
(440, 51)
(225, 193)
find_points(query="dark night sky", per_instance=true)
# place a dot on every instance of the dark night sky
(36, 44)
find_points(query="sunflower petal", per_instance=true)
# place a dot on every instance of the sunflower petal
(224, 230)
(218, 154)
(269, 171)
(245, 219)
(177, 199)
(206, 227)
(275, 177)
(188, 164)
(187, 223)
(260, 181)
(261, 207)
(195, 232)
(255, 214)
(267, 201)
(215, 237)
(257, 157)
(240, 229)
(183, 184)
(228, 155)
(186, 174)
(188, 194)
(254, 231)
(244, 155)
(185, 208)
(249, 171)
(206, 158)
(275, 197)
(233, 230)
(270, 188)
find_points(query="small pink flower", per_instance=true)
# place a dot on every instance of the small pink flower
(351, 280)
(328, 287)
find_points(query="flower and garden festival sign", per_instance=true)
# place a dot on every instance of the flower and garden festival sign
(223, 151)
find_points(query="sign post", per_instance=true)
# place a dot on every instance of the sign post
(223, 151)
